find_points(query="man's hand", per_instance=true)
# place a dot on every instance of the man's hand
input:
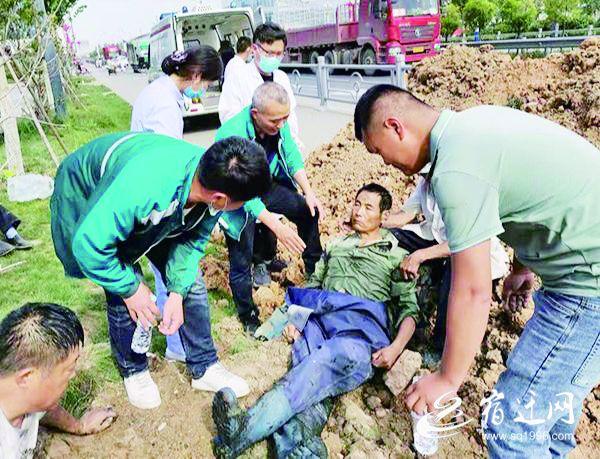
(313, 204)
(291, 333)
(96, 420)
(385, 357)
(422, 395)
(142, 306)
(173, 314)
(410, 265)
(517, 290)
(289, 238)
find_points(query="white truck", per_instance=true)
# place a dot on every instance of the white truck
(180, 31)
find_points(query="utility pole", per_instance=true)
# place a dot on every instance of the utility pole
(58, 93)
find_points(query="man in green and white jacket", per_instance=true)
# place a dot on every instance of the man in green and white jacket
(128, 195)
(265, 122)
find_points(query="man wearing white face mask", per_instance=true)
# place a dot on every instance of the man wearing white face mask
(241, 82)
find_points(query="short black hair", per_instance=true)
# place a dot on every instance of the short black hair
(269, 32)
(38, 335)
(237, 167)
(242, 44)
(364, 108)
(385, 198)
(202, 60)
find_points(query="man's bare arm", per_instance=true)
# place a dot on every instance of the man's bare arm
(468, 311)
(93, 421)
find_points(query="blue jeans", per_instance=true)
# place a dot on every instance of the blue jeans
(195, 333)
(160, 289)
(339, 365)
(553, 367)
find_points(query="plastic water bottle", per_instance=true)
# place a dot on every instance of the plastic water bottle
(426, 445)
(140, 344)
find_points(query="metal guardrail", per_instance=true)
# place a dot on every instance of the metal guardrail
(326, 88)
(531, 43)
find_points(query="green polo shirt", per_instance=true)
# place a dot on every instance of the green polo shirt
(369, 271)
(535, 184)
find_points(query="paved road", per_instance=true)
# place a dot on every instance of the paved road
(317, 126)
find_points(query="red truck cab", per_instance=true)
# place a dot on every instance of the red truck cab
(394, 27)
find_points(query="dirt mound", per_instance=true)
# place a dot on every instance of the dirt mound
(561, 87)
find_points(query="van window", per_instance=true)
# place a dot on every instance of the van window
(187, 44)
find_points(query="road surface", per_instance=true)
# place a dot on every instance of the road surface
(317, 126)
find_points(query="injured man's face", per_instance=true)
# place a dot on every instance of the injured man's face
(366, 212)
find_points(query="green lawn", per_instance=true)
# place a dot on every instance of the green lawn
(41, 277)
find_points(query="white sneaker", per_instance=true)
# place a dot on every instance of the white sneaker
(142, 391)
(173, 356)
(218, 377)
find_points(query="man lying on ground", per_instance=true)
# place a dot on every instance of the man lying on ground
(39, 347)
(339, 325)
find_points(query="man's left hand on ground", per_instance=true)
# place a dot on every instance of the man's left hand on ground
(173, 314)
(96, 420)
(410, 265)
(422, 395)
(385, 357)
(314, 204)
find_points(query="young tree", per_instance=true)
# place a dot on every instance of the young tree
(565, 13)
(478, 13)
(518, 15)
(451, 20)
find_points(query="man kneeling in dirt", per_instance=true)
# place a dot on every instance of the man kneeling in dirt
(339, 326)
(39, 348)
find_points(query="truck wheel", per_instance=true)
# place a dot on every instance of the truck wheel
(330, 58)
(314, 60)
(367, 57)
(346, 57)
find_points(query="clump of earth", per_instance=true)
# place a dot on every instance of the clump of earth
(372, 421)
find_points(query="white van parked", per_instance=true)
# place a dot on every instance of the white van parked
(180, 31)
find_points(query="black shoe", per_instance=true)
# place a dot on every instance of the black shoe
(276, 266)
(6, 248)
(251, 326)
(19, 243)
(260, 275)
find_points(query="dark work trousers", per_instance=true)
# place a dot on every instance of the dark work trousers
(195, 332)
(440, 273)
(265, 244)
(7, 220)
(280, 199)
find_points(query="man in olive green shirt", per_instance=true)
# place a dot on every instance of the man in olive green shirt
(498, 171)
(340, 331)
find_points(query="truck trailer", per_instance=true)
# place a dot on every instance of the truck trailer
(360, 31)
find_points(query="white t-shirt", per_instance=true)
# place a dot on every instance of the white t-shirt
(19, 443)
(234, 65)
(432, 227)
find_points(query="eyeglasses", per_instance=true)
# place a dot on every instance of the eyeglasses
(270, 53)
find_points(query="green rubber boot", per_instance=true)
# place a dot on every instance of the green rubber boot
(237, 429)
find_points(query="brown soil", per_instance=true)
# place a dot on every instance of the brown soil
(563, 88)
